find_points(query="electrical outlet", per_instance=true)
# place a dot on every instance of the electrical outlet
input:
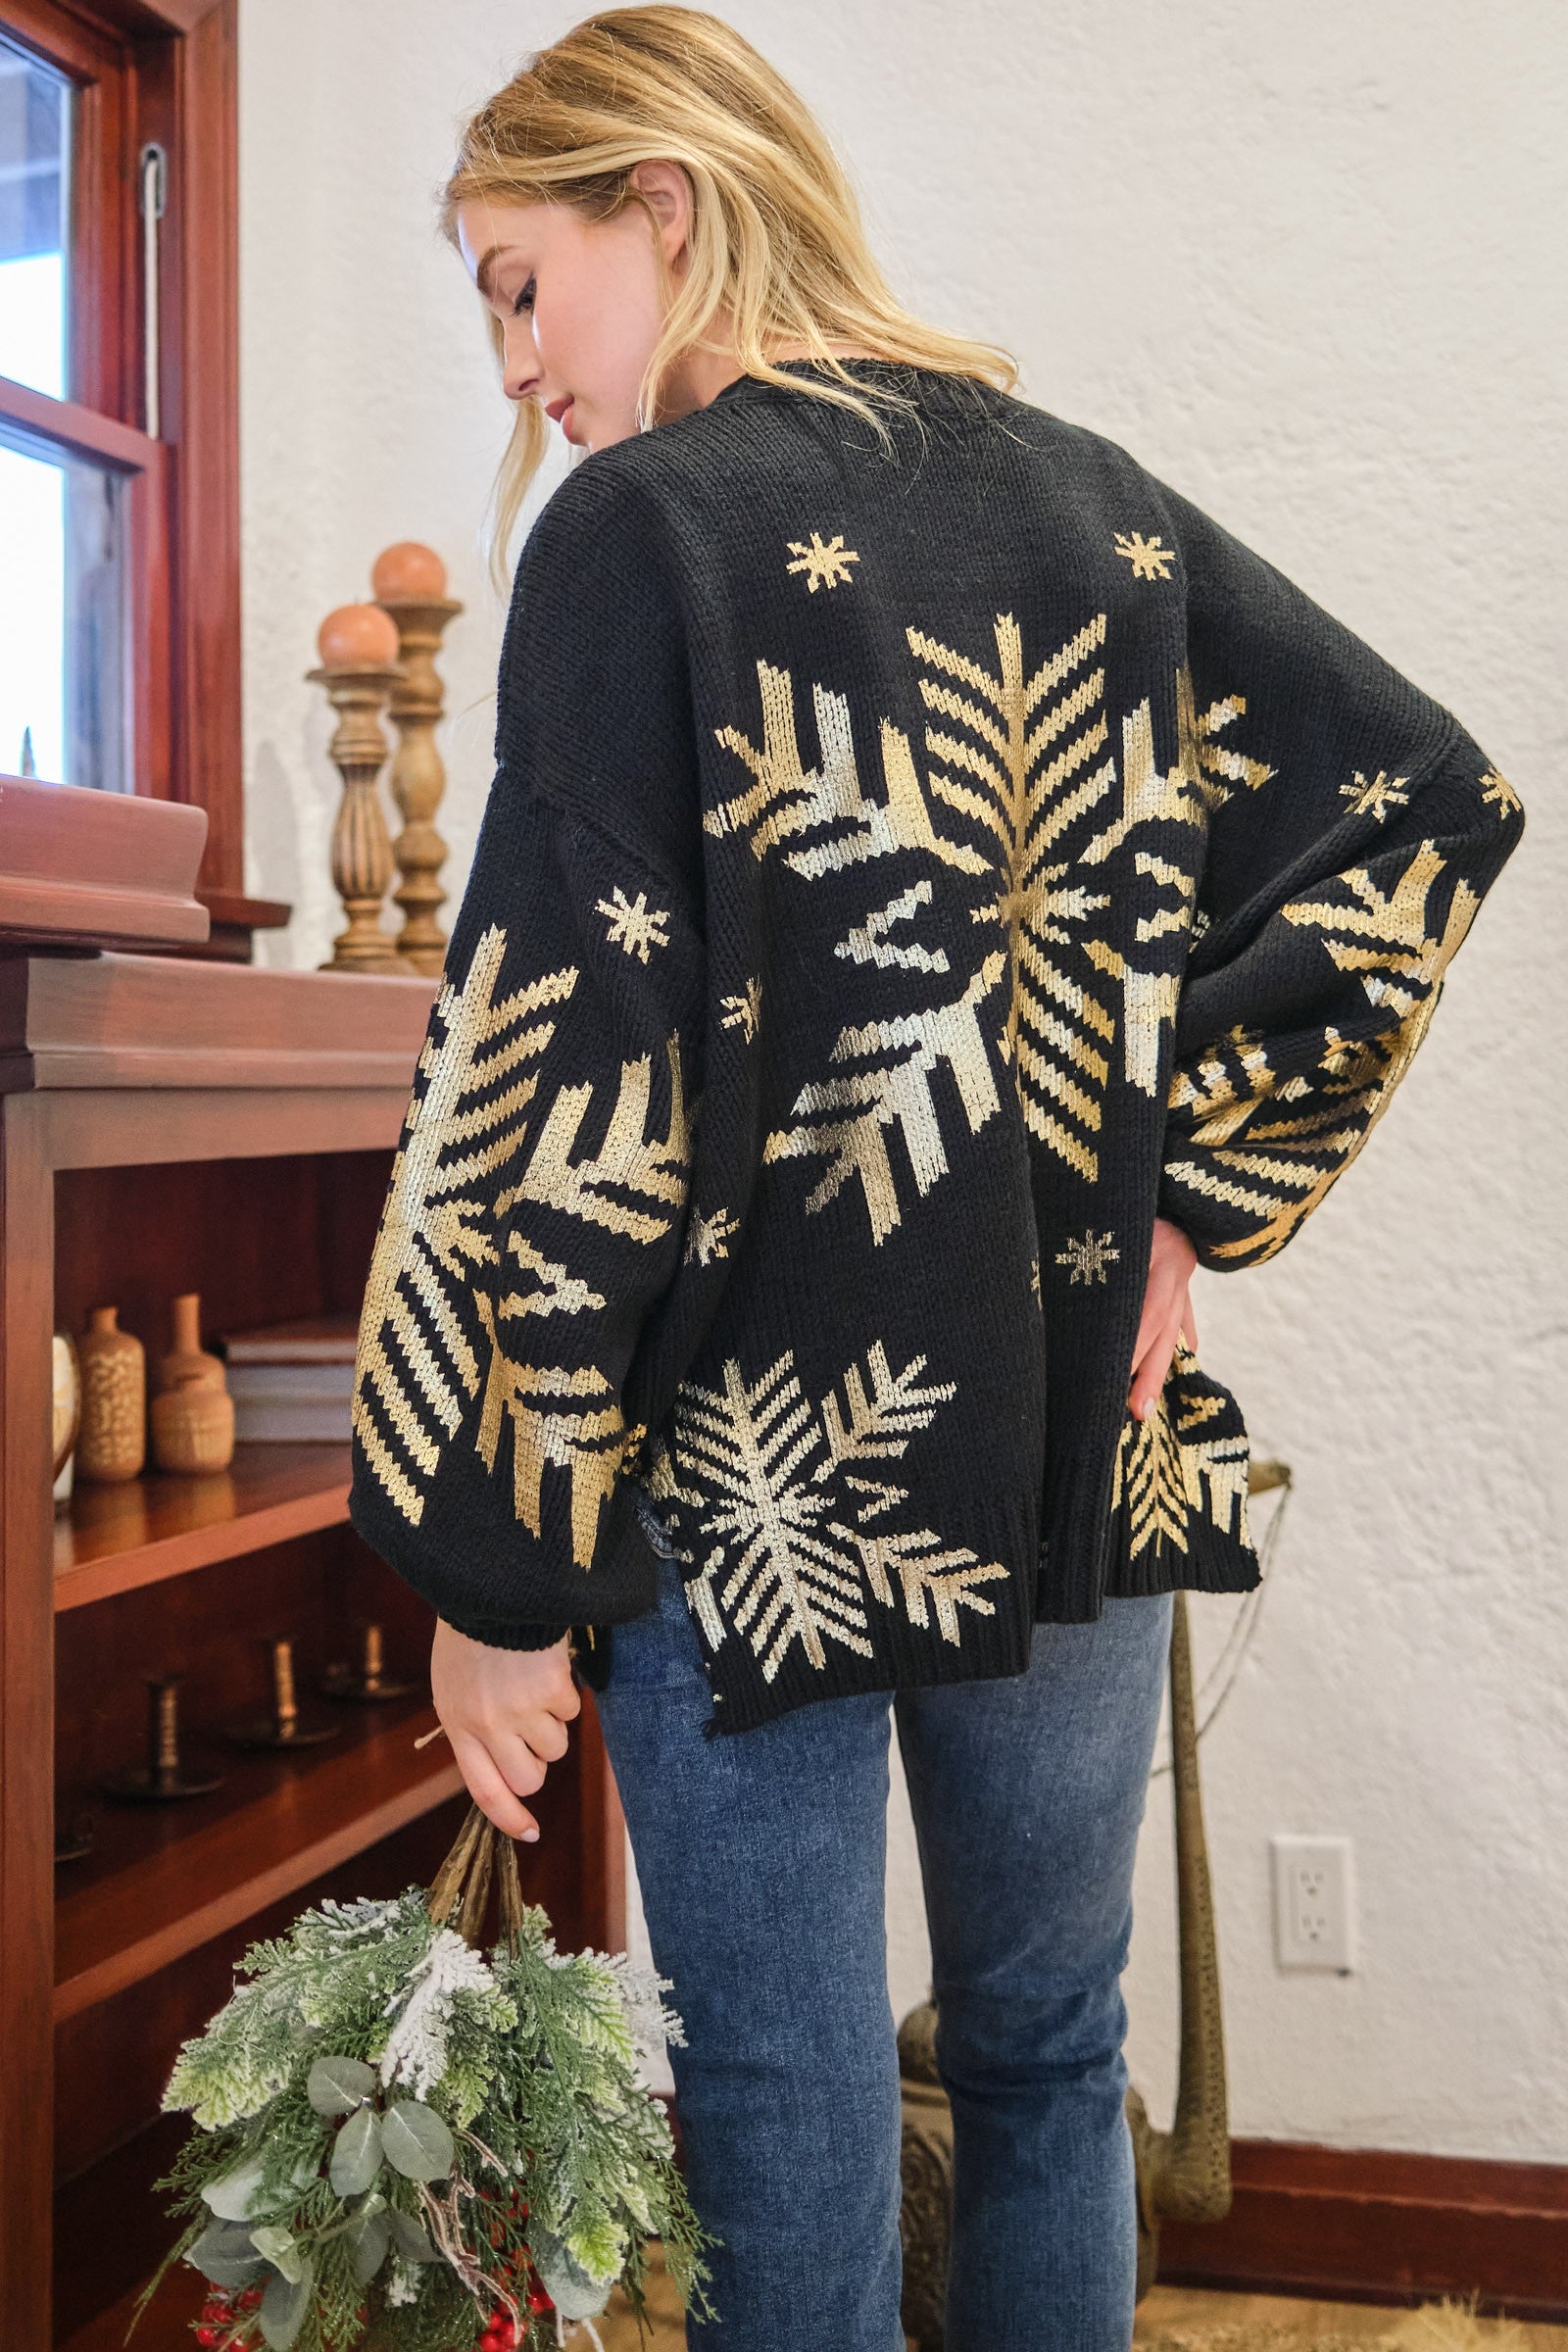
(1314, 1903)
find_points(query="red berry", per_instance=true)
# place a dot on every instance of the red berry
(209, 2335)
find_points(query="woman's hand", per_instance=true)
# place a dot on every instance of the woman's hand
(506, 1713)
(1167, 1311)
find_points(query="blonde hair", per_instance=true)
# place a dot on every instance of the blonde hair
(776, 239)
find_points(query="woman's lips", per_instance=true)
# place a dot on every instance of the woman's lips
(559, 410)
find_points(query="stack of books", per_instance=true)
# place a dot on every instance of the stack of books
(292, 1381)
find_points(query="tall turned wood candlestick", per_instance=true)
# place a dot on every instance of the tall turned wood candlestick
(409, 584)
(358, 645)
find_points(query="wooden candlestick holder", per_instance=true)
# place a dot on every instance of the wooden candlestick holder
(368, 1682)
(408, 581)
(163, 1777)
(285, 1726)
(362, 853)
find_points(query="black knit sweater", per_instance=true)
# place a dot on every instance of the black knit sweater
(904, 876)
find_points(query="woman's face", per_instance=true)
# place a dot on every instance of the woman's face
(580, 303)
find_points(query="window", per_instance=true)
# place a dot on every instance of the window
(119, 399)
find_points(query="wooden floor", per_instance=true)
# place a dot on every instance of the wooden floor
(1176, 2318)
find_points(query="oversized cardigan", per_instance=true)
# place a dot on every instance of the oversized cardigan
(906, 874)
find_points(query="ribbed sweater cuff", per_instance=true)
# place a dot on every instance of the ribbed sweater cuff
(497, 1636)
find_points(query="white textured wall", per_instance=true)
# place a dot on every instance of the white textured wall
(1306, 263)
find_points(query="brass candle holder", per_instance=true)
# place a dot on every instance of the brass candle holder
(358, 645)
(285, 1726)
(163, 1777)
(409, 584)
(367, 1682)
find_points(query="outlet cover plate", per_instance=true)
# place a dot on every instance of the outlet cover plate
(1314, 1903)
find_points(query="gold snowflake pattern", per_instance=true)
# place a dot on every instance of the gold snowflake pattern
(1375, 796)
(451, 1307)
(708, 1237)
(1270, 1147)
(1034, 1277)
(780, 1498)
(633, 924)
(1495, 790)
(744, 1012)
(847, 1120)
(1150, 558)
(1176, 1469)
(1025, 757)
(1088, 1257)
(824, 562)
(787, 799)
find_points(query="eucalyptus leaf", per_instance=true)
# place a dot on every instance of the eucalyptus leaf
(285, 2307)
(225, 2254)
(369, 2234)
(410, 2237)
(415, 2142)
(357, 2153)
(233, 2197)
(573, 2293)
(336, 2086)
(281, 2252)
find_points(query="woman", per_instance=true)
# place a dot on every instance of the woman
(938, 887)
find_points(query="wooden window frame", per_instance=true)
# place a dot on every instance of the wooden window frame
(163, 71)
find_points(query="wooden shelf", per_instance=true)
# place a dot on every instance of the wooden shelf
(111, 1538)
(280, 1822)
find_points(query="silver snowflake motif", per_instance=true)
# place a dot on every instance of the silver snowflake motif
(634, 925)
(1088, 1257)
(1150, 558)
(708, 1237)
(825, 563)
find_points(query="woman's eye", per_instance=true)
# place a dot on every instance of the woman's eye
(524, 300)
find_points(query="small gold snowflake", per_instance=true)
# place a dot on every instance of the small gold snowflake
(824, 562)
(1377, 795)
(1151, 558)
(1088, 1257)
(1494, 787)
(708, 1238)
(636, 928)
(1033, 1276)
(745, 1012)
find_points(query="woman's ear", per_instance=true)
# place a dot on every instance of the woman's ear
(666, 191)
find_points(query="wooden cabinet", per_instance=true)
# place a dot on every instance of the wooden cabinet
(168, 1126)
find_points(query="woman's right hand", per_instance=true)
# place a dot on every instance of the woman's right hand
(506, 1713)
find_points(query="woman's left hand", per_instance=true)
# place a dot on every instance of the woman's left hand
(1167, 1311)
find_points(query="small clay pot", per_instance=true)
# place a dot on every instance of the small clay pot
(193, 1429)
(111, 1442)
(187, 1363)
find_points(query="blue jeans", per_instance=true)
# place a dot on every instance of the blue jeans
(760, 1858)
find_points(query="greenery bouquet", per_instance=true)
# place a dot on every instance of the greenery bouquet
(408, 2143)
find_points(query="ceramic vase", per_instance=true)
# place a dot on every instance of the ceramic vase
(187, 1363)
(67, 1412)
(111, 1442)
(193, 1429)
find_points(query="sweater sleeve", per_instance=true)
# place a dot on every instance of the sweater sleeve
(536, 1205)
(1352, 829)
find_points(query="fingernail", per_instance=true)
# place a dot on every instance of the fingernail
(530, 1837)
